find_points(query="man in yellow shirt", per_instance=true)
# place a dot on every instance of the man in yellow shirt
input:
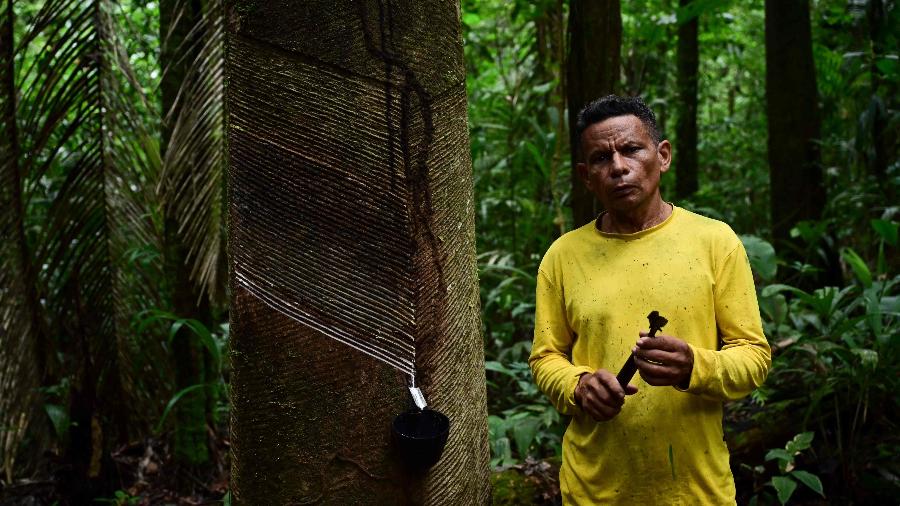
(595, 287)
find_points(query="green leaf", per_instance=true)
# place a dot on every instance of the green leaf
(888, 66)
(173, 330)
(780, 454)
(538, 159)
(858, 265)
(799, 443)
(206, 338)
(502, 452)
(771, 290)
(810, 480)
(887, 230)
(762, 256)
(784, 486)
(524, 433)
(59, 417)
(491, 365)
(496, 427)
(174, 400)
(868, 358)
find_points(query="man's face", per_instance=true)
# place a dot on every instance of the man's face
(622, 163)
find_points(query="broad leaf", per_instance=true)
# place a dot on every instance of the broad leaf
(887, 230)
(762, 256)
(810, 480)
(785, 487)
(799, 443)
(524, 433)
(59, 417)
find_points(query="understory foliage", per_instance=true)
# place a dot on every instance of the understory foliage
(95, 195)
(85, 325)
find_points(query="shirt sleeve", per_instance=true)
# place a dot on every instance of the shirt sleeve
(741, 365)
(551, 366)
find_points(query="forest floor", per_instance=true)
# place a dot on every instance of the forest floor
(147, 474)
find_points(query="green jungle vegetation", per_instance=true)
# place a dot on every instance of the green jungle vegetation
(149, 243)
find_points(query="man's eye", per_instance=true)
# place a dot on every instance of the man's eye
(600, 158)
(631, 149)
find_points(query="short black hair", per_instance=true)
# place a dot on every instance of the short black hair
(611, 106)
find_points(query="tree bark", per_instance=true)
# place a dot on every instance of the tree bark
(795, 172)
(686, 126)
(351, 222)
(179, 48)
(592, 71)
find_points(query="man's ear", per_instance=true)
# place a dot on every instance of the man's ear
(664, 152)
(582, 169)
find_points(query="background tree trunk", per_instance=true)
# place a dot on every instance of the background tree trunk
(23, 361)
(878, 29)
(351, 221)
(592, 70)
(180, 45)
(686, 126)
(792, 107)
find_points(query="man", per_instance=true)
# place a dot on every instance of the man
(595, 288)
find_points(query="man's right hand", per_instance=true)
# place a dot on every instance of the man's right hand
(600, 395)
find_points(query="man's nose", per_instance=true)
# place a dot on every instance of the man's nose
(619, 167)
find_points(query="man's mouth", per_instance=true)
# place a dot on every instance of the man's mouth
(622, 190)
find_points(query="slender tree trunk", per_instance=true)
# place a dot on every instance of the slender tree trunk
(795, 172)
(351, 237)
(23, 362)
(180, 44)
(592, 71)
(551, 44)
(875, 13)
(686, 126)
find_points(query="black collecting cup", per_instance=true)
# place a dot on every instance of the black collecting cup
(419, 437)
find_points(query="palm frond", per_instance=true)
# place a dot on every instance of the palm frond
(90, 168)
(193, 164)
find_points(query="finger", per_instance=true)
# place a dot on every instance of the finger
(631, 389)
(667, 343)
(606, 412)
(657, 375)
(609, 398)
(600, 393)
(656, 380)
(661, 356)
(610, 383)
(598, 410)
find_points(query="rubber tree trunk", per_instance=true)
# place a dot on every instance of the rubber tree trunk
(592, 71)
(686, 127)
(351, 220)
(794, 120)
(180, 43)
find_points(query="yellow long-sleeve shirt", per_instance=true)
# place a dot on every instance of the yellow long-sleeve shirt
(594, 291)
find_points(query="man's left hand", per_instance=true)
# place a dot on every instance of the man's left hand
(664, 360)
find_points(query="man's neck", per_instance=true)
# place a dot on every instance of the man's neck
(636, 220)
